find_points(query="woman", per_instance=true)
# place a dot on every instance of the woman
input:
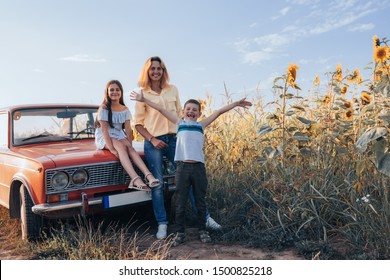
(158, 132)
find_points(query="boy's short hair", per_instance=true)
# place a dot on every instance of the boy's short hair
(193, 101)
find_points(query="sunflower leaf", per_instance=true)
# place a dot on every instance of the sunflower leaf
(384, 164)
(384, 117)
(264, 130)
(298, 107)
(305, 121)
(369, 135)
(300, 137)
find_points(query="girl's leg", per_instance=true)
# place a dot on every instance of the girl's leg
(125, 161)
(138, 160)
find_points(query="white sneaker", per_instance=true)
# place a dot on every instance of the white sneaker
(162, 231)
(212, 224)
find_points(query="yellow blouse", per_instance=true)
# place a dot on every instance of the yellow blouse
(153, 120)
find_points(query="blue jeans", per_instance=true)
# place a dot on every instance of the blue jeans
(154, 160)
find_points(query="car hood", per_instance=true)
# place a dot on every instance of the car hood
(69, 154)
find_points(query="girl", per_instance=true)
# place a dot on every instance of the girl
(113, 132)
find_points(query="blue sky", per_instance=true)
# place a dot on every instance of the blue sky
(66, 51)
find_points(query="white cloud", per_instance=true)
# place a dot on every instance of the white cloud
(317, 18)
(284, 11)
(82, 58)
(299, 2)
(241, 45)
(255, 57)
(254, 24)
(304, 61)
(37, 70)
(362, 27)
(273, 40)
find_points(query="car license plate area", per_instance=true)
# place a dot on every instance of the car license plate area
(128, 198)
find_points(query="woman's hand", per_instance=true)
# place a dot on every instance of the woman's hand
(137, 96)
(158, 144)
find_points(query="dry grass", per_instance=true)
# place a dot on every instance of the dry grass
(311, 173)
(317, 169)
(11, 245)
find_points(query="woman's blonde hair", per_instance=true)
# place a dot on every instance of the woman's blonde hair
(144, 80)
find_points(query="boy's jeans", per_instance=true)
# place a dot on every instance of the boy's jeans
(193, 204)
(190, 174)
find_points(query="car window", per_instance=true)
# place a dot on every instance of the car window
(52, 124)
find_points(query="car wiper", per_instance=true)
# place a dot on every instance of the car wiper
(46, 135)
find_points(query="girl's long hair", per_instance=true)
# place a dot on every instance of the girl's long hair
(107, 102)
(144, 80)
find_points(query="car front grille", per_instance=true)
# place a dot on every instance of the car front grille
(100, 175)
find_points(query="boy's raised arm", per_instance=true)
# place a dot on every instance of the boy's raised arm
(241, 103)
(139, 96)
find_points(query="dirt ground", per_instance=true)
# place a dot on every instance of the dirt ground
(195, 250)
(192, 249)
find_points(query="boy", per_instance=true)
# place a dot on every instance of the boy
(189, 158)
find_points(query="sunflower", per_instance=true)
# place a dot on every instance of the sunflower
(317, 81)
(378, 76)
(366, 98)
(349, 115)
(338, 73)
(354, 76)
(348, 104)
(377, 43)
(313, 129)
(292, 74)
(343, 91)
(359, 80)
(327, 100)
(381, 54)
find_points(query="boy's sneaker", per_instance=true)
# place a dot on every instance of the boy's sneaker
(179, 239)
(162, 231)
(212, 224)
(204, 236)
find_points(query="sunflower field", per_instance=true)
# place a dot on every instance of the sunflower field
(309, 172)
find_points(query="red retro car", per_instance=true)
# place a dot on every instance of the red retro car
(50, 167)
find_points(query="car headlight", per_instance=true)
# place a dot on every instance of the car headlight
(60, 180)
(80, 177)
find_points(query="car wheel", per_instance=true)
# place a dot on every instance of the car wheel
(31, 223)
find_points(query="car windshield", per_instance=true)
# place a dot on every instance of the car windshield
(53, 124)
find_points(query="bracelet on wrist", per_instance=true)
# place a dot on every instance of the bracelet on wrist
(150, 140)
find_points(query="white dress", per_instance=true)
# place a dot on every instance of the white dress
(116, 132)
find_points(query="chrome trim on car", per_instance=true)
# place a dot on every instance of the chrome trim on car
(44, 208)
(100, 175)
(107, 201)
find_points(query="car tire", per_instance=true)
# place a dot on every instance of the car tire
(31, 224)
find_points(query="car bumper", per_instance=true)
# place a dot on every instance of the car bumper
(106, 202)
